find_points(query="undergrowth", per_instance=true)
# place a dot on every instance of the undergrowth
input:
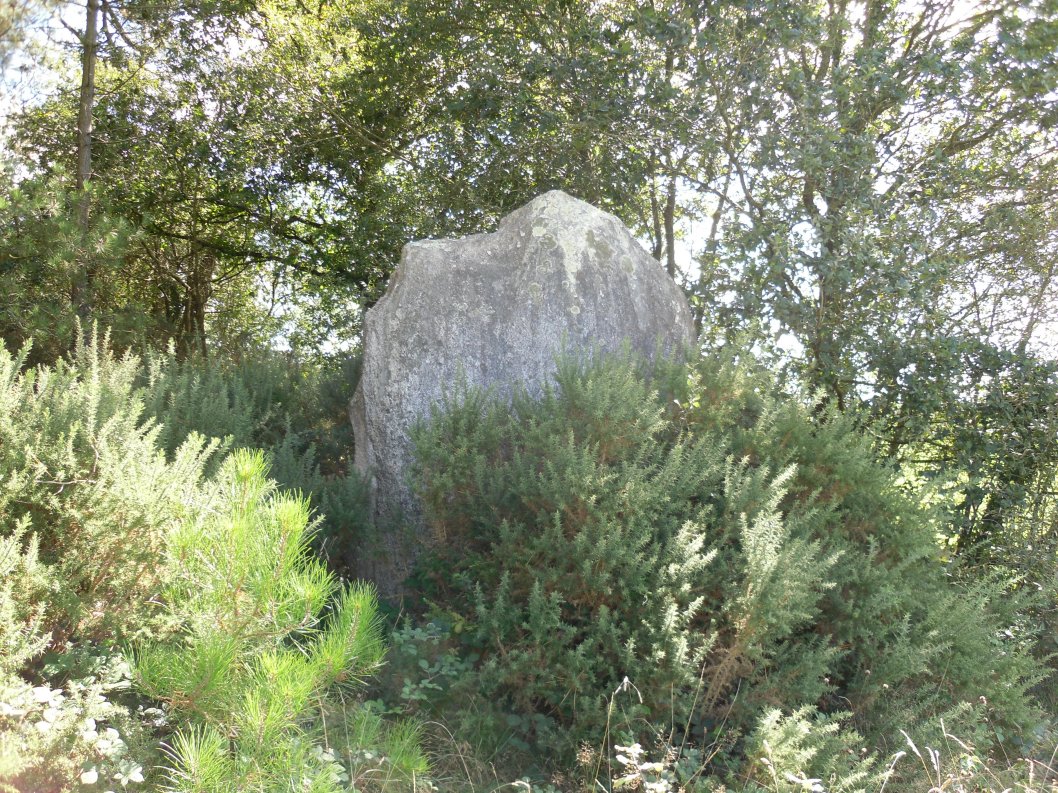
(674, 580)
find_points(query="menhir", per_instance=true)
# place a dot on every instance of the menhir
(495, 310)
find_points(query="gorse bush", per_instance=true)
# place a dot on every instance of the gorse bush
(255, 402)
(84, 483)
(24, 584)
(726, 550)
(296, 413)
(806, 750)
(87, 502)
(903, 643)
(566, 530)
(114, 533)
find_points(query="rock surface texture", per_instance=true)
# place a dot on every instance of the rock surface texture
(495, 309)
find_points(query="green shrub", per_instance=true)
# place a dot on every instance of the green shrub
(566, 532)
(296, 412)
(82, 479)
(104, 540)
(808, 751)
(902, 643)
(727, 551)
(42, 247)
(801, 751)
(266, 638)
(86, 504)
(24, 586)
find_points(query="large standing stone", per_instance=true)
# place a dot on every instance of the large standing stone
(496, 309)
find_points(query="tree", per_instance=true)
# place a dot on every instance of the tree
(876, 180)
(122, 172)
(886, 206)
(83, 277)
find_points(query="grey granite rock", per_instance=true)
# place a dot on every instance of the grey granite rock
(496, 309)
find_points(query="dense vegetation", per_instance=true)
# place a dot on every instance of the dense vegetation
(726, 553)
(141, 595)
(674, 577)
(823, 555)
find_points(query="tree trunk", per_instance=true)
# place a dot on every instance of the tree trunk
(670, 228)
(83, 275)
(658, 243)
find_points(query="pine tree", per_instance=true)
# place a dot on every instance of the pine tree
(266, 638)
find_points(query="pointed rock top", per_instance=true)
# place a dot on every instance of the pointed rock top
(558, 206)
